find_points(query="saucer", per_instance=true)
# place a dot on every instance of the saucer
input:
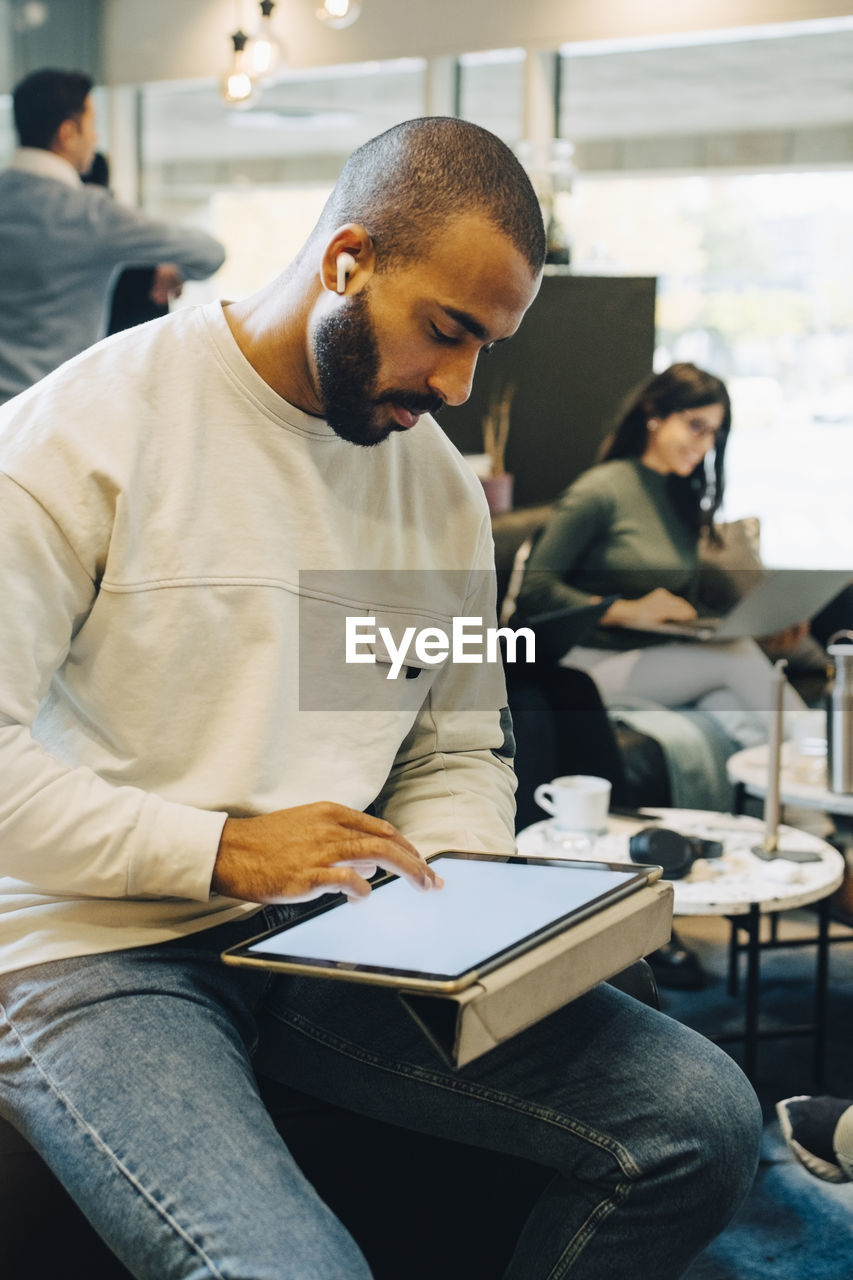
(546, 837)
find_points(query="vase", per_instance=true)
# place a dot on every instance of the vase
(498, 490)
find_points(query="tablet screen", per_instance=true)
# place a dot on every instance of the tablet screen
(487, 908)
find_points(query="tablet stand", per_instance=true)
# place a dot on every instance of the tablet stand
(523, 991)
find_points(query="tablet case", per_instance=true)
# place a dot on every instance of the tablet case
(518, 994)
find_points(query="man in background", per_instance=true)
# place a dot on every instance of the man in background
(61, 241)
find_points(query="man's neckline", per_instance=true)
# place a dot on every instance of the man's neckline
(45, 164)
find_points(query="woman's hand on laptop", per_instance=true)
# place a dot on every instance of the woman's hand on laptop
(294, 855)
(659, 605)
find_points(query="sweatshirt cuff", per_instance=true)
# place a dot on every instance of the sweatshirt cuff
(175, 851)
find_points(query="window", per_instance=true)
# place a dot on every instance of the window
(257, 178)
(491, 92)
(755, 282)
(7, 130)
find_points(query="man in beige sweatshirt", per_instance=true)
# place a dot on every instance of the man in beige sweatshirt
(189, 512)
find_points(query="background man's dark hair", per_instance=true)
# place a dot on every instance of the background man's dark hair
(407, 183)
(43, 100)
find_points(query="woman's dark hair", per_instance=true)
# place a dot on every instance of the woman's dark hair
(698, 496)
(44, 100)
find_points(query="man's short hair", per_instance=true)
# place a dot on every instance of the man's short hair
(406, 184)
(44, 99)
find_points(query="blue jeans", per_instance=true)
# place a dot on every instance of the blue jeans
(133, 1074)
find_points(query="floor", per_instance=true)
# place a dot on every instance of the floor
(792, 1226)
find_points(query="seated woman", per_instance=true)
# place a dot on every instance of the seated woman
(626, 535)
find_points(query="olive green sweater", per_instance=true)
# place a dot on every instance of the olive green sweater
(614, 533)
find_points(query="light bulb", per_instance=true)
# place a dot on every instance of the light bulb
(236, 85)
(263, 51)
(339, 13)
(263, 57)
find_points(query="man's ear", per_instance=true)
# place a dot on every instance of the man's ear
(63, 136)
(348, 260)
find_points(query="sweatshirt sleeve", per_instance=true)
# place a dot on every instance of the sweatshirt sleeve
(64, 829)
(449, 789)
(452, 785)
(121, 235)
(580, 519)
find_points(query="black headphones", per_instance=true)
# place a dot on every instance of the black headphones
(671, 850)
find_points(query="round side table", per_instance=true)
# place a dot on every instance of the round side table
(740, 886)
(802, 780)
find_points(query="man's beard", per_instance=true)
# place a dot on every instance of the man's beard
(347, 359)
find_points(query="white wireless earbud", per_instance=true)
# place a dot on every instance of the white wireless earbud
(344, 263)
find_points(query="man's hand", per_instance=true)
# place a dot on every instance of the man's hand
(659, 605)
(167, 285)
(297, 854)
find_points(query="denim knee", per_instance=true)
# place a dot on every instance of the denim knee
(720, 1110)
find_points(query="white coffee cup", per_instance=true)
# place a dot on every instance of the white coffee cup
(577, 802)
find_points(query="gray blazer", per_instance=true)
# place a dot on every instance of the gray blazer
(60, 244)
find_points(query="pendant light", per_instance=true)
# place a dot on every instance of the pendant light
(236, 85)
(263, 51)
(339, 13)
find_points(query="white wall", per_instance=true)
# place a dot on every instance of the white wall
(149, 40)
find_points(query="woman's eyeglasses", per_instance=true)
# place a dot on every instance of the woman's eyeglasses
(700, 430)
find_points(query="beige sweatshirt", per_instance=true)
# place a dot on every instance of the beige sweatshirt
(180, 548)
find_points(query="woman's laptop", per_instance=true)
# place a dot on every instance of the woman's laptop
(780, 599)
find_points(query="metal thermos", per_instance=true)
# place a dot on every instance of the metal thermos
(839, 715)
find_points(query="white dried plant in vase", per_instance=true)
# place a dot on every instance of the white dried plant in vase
(498, 484)
(496, 428)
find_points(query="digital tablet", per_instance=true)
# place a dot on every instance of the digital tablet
(491, 909)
